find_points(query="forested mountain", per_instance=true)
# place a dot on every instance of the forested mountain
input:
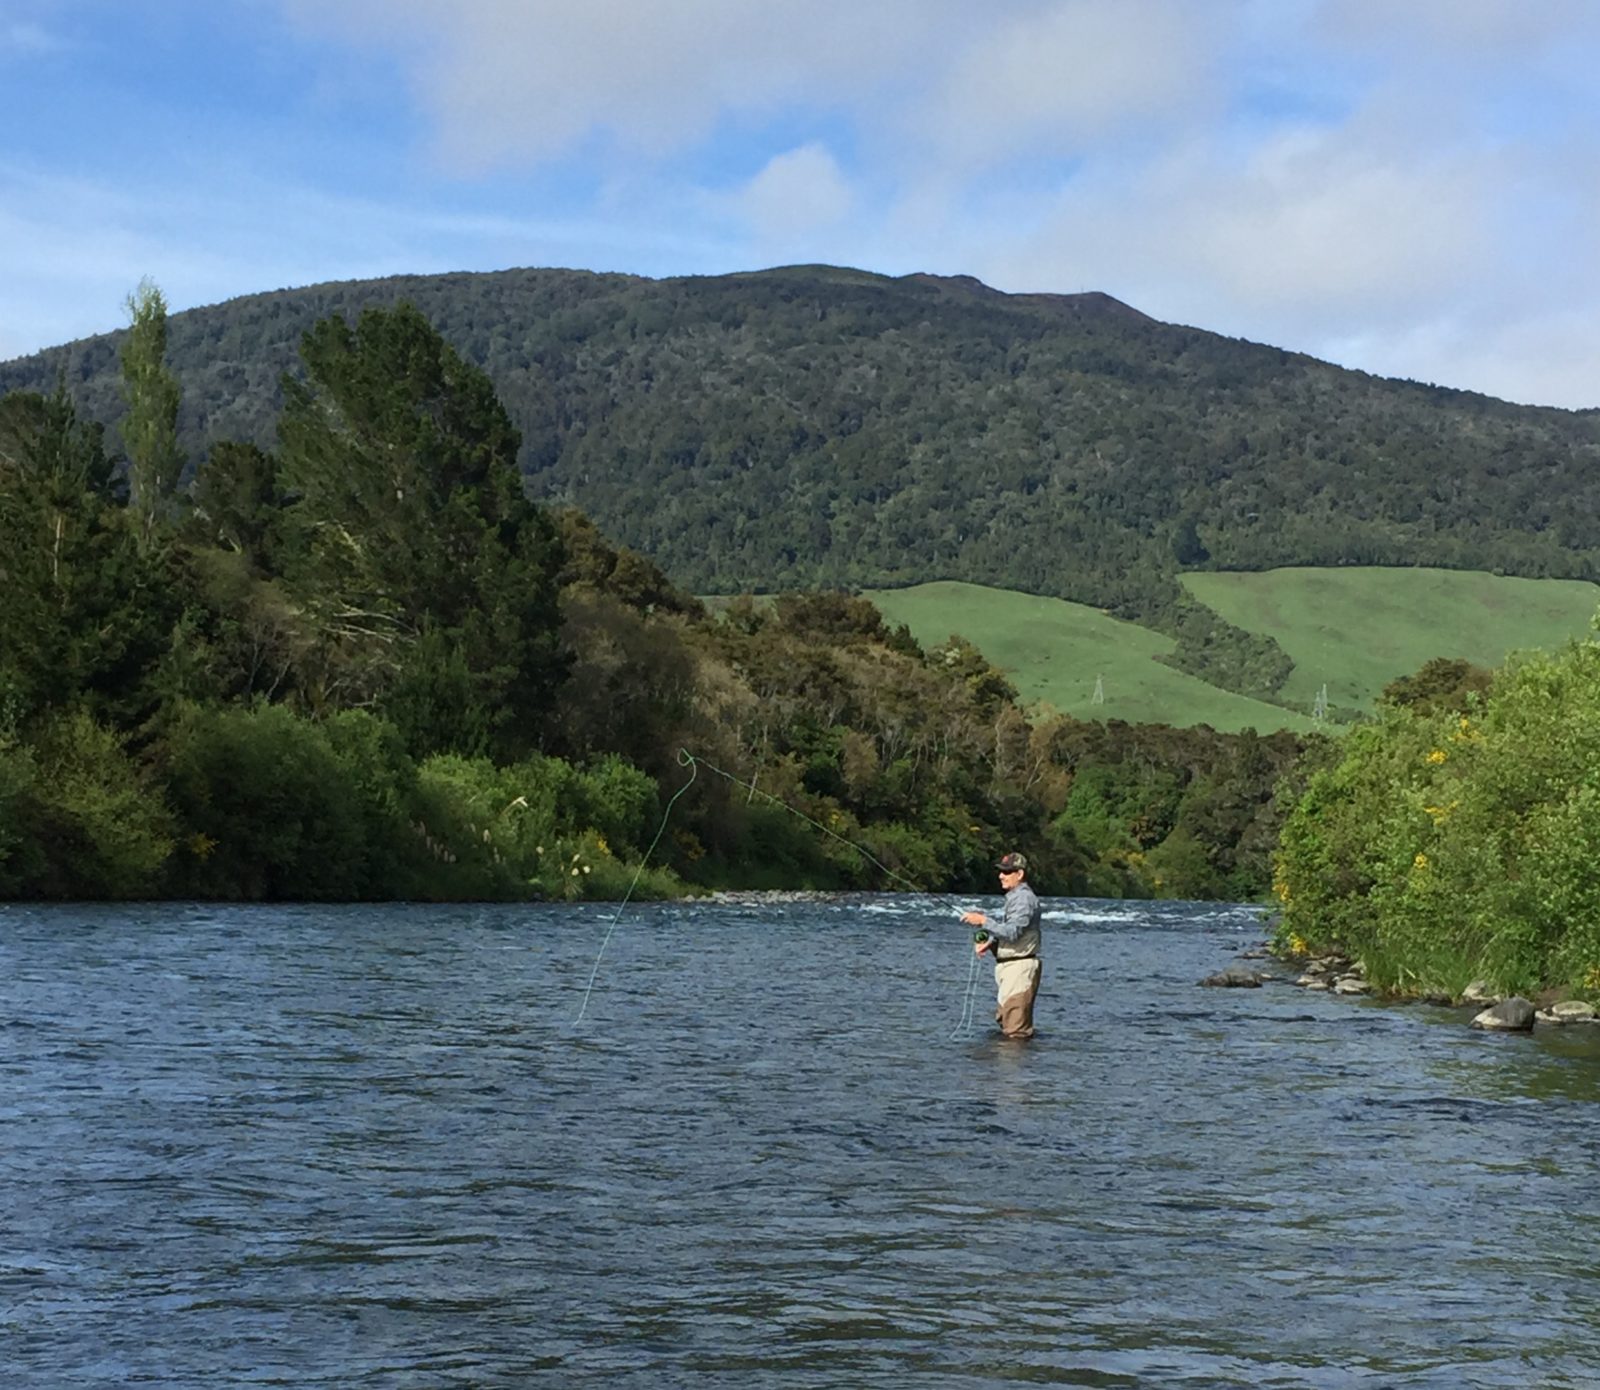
(815, 426)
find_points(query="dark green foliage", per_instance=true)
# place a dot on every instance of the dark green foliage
(269, 809)
(237, 502)
(85, 820)
(21, 857)
(432, 578)
(632, 683)
(371, 760)
(1445, 683)
(44, 436)
(1173, 812)
(592, 564)
(1216, 651)
(834, 618)
(1187, 547)
(88, 611)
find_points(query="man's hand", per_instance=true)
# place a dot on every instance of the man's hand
(974, 919)
(979, 947)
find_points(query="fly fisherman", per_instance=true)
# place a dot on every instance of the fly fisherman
(1014, 940)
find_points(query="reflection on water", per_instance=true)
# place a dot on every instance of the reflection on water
(1562, 1065)
(367, 1146)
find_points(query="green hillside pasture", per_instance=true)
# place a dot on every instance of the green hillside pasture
(1357, 629)
(1053, 651)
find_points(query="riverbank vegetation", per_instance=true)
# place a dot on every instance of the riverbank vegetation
(363, 664)
(1456, 838)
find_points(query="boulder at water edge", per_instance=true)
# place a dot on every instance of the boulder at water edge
(1513, 1015)
(1568, 1011)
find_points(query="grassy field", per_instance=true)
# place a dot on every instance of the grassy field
(1054, 651)
(1357, 629)
(1353, 629)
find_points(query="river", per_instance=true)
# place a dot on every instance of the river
(369, 1146)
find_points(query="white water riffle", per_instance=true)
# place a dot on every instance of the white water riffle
(365, 1146)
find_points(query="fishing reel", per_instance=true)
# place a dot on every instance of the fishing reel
(979, 937)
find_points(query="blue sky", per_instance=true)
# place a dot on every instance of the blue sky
(1411, 187)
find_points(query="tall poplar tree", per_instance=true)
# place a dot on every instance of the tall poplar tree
(150, 428)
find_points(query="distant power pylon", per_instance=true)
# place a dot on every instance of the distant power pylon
(1319, 710)
(1099, 697)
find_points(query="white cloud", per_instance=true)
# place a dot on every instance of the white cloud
(510, 82)
(1356, 242)
(796, 194)
(1498, 29)
(1314, 225)
(1308, 225)
(28, 39)
(1074, 73)
(1549, 356)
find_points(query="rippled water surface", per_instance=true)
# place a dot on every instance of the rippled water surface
(368, 1147)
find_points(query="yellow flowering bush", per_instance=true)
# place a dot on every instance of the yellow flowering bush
(1439, 847)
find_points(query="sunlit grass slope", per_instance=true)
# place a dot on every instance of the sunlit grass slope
(1357, 629)
(1054, 651)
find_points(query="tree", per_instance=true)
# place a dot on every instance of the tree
(86, 614)
(1187, 547)
(1444, 683)
(44, 436)
(237, 499)
(100, 823)
(150, 428)
(431, 575)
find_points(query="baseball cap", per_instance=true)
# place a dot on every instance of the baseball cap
(1012, 864)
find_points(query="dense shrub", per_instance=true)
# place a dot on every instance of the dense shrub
(270, 810)
(381, 778)
(538, 828)
(1442, 847)
(19, 848)
(85, 820)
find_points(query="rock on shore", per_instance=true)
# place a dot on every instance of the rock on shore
(1513, 1015)
(1568, 1011)
(1505, 1015)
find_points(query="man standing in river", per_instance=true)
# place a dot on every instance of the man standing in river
(1015, 941)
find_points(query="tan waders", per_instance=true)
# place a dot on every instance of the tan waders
(1017, 983)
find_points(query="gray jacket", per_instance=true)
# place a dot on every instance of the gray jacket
(1017, 934)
